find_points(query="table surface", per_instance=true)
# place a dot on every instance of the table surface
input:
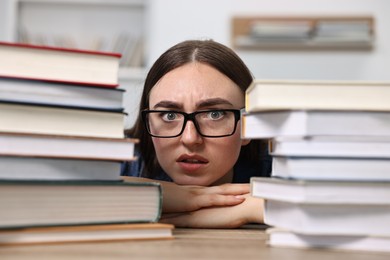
(239, 244)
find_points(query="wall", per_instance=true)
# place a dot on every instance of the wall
(172, 21)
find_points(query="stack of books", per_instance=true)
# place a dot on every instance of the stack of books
(62, 146)
(330, 142)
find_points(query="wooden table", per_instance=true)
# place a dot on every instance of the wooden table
(239, 244)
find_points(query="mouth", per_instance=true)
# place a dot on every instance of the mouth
(192, 159)
(190, 163)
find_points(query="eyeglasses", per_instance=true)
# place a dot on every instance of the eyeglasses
(208, 123)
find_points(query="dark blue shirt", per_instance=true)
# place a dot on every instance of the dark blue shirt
(242, 172)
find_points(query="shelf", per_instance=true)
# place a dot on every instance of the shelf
(303, 33)
(113, 26)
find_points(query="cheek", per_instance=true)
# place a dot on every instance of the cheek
(163, 148)
(229, 148)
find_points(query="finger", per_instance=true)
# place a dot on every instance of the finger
(228, 189)
(214, 200)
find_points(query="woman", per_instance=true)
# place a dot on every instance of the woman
(189, 132)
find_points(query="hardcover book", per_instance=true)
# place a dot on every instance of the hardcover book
(60, 93)
(54, 203)
(307, 123)
(332, 146)
(331, 168)
(329, 192)
(59, 64)
(283, 238)
(265, 95)
(328, 219)
(71, 147)
(57, 120)
(52, 168)
(85, 233)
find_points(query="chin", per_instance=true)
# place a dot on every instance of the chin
(192, 181)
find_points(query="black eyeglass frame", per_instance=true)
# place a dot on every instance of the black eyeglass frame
(191, 117)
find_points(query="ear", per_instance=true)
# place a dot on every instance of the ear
(245, 142)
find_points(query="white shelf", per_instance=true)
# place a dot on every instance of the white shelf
(347, 32)
(101, 25)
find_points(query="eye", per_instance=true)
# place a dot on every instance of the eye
(215, 115)
(169, 116)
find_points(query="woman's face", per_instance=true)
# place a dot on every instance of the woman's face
(191, 159)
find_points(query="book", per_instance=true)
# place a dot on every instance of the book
(85, 233)
(329, 192)
(264, 95)
(328, 219)
(59, 146)
(332, 146)
(305, 123)
(283, 238)
(59, 64)
(54, 203)
(57, 120)
(63, 94)
(328, 168)
(52, 168)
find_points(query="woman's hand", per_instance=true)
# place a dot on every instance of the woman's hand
(182, 198)
(250, 211)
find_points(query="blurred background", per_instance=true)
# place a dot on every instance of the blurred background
(278, 39)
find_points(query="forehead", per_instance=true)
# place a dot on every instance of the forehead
(191, 84)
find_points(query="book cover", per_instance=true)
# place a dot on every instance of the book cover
(53, 203)
(59, 64)
(265, 95)
(57, 93)
(85, 233)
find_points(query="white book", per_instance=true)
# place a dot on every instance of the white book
(59, 64)
(265, 95)
(283, 238)
(331, 146)
(322, 192)
(61, 94)
(328, 219)
(328, 168)
(302, 123)
(57, 120)
(39, 168)
(60, 146)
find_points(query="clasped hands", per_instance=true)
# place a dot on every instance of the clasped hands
(223, 206)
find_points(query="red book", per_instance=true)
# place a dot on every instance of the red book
(59, 64)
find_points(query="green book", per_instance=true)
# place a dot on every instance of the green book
(54, 203)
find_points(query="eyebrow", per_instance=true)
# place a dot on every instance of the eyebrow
(201, 104)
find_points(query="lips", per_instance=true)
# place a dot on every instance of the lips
(191, 163)
(192, 159)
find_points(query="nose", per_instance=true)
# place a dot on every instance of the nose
(190, 135)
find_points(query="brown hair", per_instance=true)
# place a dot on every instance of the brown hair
(209, 52)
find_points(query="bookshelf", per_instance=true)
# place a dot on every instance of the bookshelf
(303, 32)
